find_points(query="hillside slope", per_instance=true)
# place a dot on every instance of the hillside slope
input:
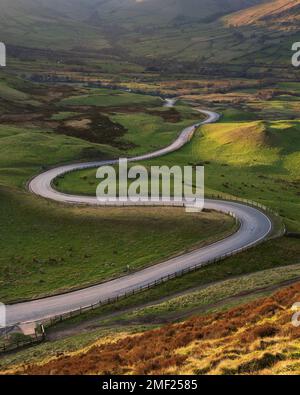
(144, 31)
(61, 24)
(275, 14)
(130, 10)
(256, 338)
(41, 24)
(134, 12)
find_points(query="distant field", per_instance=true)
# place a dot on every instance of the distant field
(7, 92)
(28, 149)
(193, 32)
(62, 115)
(107, 98)
(234, 115)
(293, 87)
(282, 107)
(14, 92)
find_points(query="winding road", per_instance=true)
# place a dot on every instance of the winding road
(255, 226)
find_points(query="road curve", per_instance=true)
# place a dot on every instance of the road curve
(255, 226)
(42, 184)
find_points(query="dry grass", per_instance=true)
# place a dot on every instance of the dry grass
(277, 14)
(78, 123)
(256, 338)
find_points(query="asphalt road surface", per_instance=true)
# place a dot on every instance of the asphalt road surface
(255, 226)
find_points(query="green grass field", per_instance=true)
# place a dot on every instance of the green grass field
(9, 93)
(14, 93)
(62, 115)
(26, 152)
(254, 160)
(108, 98)
(150, 132)
(47, 248)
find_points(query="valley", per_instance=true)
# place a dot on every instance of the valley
(88, 82)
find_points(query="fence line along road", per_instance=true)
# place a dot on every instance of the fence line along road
(77, 312)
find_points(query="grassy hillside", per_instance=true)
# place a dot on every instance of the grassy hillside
(25, 152)
(128, 12)
(39, 130)
(256, 160)
(48, 248)
(145, 31)
(259, 160)
(40, 24)
(274, 14)
(108, 98)
(256, 338)
(132, 14)
(16, 94)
